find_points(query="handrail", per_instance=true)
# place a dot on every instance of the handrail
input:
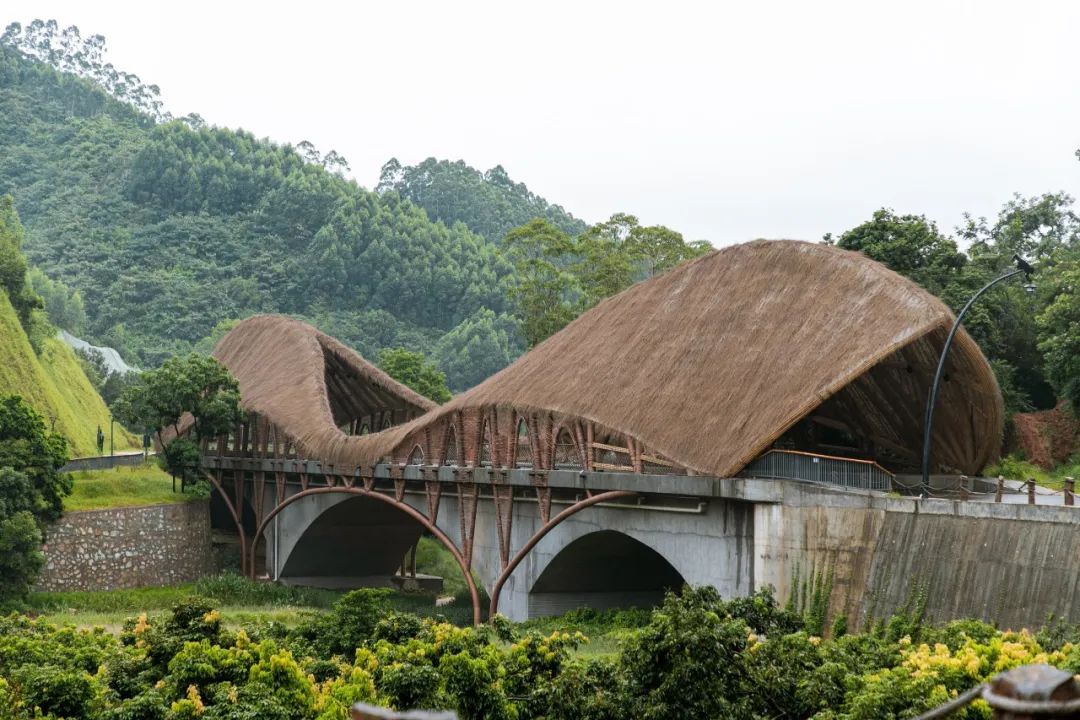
(818, 468)
(831, 457)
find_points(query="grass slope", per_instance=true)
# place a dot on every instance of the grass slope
(55, 385)
(122, 487)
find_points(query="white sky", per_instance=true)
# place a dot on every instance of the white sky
(725, 121)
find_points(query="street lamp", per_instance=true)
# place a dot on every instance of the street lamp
(1022, 266)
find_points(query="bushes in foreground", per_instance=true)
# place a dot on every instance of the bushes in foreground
(697, 656)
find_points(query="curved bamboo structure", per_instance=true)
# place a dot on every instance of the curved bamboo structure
(698, 370)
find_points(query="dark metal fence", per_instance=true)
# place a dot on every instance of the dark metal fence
(825, 469)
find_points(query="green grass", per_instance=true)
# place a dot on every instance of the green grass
(1013, 467)
(240, 601)
(54, 385)
(606, 629)
(123, 487)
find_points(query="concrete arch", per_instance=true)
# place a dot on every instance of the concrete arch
(358, 541)
(347, 533)
(603, 569)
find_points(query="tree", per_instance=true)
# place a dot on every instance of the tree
(32, 491)
(27, 447)
(414, 370)
(545, 294)
(1035, 228)
(13, 264)
(63, 305)
(480, 346)
(21, 558)
(607, 258)
(616, 253)
(1060, 338)
(557, 277)
(195, 384)
(488, 203)
(908, 244)
(1002, 322)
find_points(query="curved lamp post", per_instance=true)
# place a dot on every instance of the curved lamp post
(1022, 266)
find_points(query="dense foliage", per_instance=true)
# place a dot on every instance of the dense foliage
(13, 278)
(1027, 336)
(413, 369)
(152, 232)
(194, 386)
(697, 656)
(32, 492)
(488, 203)
(557, 277)
(168, 228)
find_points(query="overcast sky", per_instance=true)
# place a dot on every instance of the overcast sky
(725, 121)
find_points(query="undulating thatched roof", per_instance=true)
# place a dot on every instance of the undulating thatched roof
(307, 383)
(707, 364)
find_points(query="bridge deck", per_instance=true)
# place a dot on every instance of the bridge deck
(697, 486)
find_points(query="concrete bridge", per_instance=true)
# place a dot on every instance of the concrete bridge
(702, 427)
(619, 539)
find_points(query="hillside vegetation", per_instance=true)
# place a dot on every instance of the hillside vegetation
(169, 228)
(54, 385)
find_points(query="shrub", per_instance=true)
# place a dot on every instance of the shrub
(685, 663)
(59, 691)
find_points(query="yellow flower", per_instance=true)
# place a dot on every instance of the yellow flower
(195, 699)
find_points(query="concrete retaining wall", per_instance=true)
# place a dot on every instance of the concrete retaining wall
(1009, 564)
(128, 547)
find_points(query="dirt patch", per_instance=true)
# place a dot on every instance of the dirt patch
(1048, 437)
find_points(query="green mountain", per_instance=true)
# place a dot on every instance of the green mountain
(169, 227)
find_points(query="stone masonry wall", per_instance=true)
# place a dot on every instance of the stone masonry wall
(128, 547)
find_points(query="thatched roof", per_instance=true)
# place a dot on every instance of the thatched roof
(707, 364)
(307, 383)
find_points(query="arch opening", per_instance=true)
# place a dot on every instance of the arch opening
(523, 455)
(603, 570)
(356, 542)
(485, 445)
(450, 452)
(416, 457)
(567, 456)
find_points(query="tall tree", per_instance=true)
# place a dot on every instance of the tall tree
(416, 371)
(909, 244)
(545, 294)
(196, 385)
(488, 203)
(13, 265)
(32, 491)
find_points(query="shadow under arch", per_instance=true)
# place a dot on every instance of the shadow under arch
(408, 510)
(602, 570)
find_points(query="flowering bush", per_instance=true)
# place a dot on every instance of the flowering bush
(697, 656)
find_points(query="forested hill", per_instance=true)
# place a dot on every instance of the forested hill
(489, 203)
(170, 227)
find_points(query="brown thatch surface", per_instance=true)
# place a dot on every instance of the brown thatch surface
(307, 383)
(708, 364)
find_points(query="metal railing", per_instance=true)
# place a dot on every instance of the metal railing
(105, 462)
(825, 469)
